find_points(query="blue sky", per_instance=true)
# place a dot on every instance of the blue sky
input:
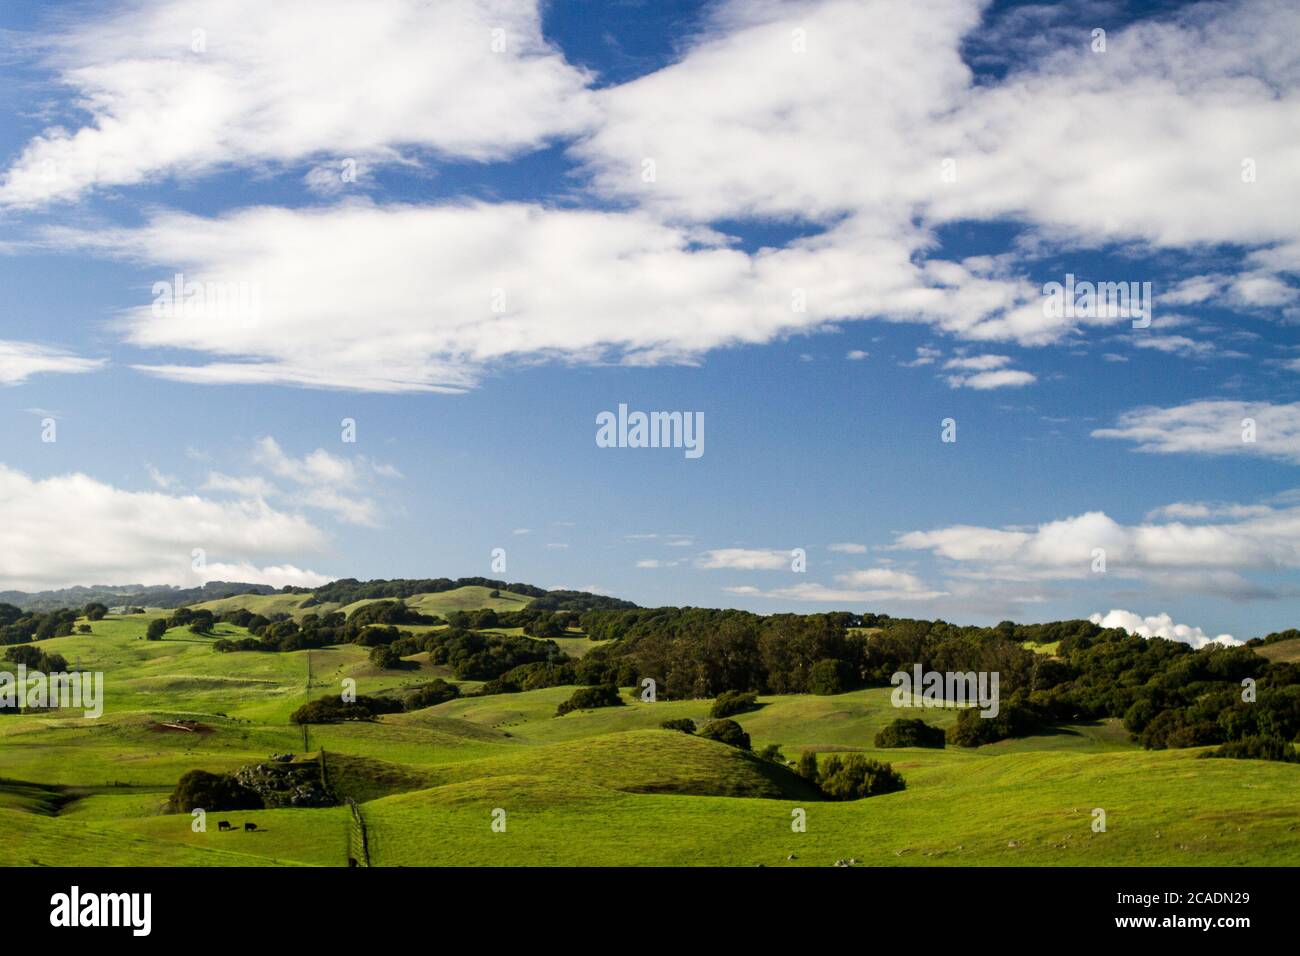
(796, 147)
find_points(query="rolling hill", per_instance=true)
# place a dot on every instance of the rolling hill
(604, 787)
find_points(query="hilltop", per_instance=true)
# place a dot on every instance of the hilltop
(343, 593)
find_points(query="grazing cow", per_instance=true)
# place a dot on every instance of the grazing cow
(249, 827)
(223, 825)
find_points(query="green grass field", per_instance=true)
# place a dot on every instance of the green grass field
(605, 787)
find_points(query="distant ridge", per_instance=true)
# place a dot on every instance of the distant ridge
(342, 591)
(139, 595)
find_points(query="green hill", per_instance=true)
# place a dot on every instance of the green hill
(441, 603)
(597, 787)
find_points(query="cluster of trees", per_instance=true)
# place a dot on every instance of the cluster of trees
(1288, 635)
(198, 621)
(697, 652)
(20, 627)
(1167, 693)
(212, 791)
(280, 632)
(724, 731)
(35, 659)
(910, 732)
(348, 590)
(1256, 748)
(850, 777)
(334, 709)
(589, 698)
(732, 702)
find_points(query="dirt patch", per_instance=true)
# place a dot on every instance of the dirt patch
(181, 727)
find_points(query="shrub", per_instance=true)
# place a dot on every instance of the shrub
(726, 732)
(684, 724)
(910, 732)
(498, 685)
(1014, 719)
(384, 656)
(157, 628)
(586, 698)
(808, 766)
(35, 659)
(854, 777)
(733, 702)
(772, 752)
(1256, 748)
(212, 791)
(435, 692)
(333, 710)
(828, 677)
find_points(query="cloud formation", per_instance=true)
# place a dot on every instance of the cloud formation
(1213, 427)
(72, 529)
(19, 361)
(860, 119)
(1161, 625)
(187, 87)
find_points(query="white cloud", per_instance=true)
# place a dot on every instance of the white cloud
(19, 361)
(871, 585)
(984, 381)
(276, 575)
(1182, 556)
(849, 135)
(847, 547)
(1192, 291)
(859, 124)
(857, 355)
(1161, 625)
(978, 363)
(1175, 345)
(924, 356)
(323, 480)
(1207, 511)
(158, 478)
(72, 529)
(448, 289)
(657, 563)
(292, 81)
(1212, 428)
(252, 486)
(744, 559)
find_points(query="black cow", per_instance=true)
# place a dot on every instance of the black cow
(223, 825)
(249, 827)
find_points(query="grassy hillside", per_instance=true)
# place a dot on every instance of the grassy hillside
(1281, 651)
(441, 603)
(593, 787)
